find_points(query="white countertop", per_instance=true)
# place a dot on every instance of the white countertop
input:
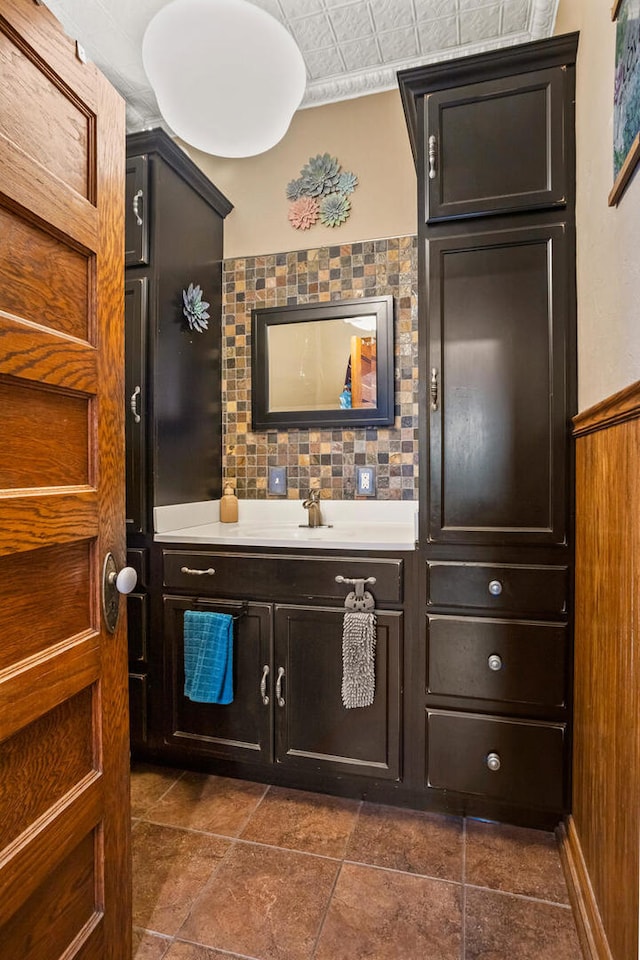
(348, 525)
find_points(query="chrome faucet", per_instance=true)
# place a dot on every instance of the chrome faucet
(313, 506)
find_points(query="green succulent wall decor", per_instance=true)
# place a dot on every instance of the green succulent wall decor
(320, 193)
(194, 308)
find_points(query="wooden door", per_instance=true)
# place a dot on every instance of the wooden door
(498, 342)
(496, 146)
(314, 731)
(64, 812)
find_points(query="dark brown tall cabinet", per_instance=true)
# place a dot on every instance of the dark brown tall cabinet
(173, 238)
(493, 140)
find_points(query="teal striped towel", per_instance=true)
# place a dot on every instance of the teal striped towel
(208, 657)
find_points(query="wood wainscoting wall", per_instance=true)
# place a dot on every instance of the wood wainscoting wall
(602, 837)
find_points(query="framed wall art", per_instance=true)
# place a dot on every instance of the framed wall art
(626, 95)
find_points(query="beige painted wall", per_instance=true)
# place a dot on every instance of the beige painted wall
(608, 264)
(368, 135)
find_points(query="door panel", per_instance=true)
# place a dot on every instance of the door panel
(64, 865)
(513, 129)
(135, 379)
(27, 90)
(497, 309)
(242, 728)
(56, 292)
(136, 251)
(36, 422)
(314, 731)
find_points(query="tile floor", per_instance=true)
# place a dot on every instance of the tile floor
(227, 870)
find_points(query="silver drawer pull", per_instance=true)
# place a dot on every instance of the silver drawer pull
(495, 662)
(433, 156)
(133, 404)
(197, 573)
(495, 588)
(494, 762)
(279, 697)
(137, 203)
(263, 685)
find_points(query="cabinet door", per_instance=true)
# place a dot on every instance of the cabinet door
(135, 321)
(314, 731)
(499, 408)
(136, 231)
(240, 730)
(496, 146)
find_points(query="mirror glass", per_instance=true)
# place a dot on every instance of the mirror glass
(328, 364)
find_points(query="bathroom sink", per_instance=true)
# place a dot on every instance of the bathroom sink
(348, 526)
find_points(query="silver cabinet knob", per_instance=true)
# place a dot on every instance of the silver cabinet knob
(495, 662)
(495, 588)
(494, 762)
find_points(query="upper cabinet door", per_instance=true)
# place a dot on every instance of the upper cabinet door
(500, 392)
(496, 146)
(135, 386)
(136, 251)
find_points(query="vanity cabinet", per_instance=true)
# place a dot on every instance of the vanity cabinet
(286, 722)
(493, 141)
(173, 238)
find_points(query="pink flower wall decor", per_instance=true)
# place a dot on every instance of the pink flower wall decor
(303, 213)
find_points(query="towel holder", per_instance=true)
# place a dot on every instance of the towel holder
(358, 600)
(243, 609)
(358, 583)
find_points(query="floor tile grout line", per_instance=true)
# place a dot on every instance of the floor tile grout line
(356, 821)
(226, 953)
(326, 911)
(403, 873)
(161, 797)
(206, 885)
(239, 839)
(520, 896)
(244, 826)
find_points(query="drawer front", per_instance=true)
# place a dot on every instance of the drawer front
(513, 661)
(529, 590)
(528, 758)
(270, 578)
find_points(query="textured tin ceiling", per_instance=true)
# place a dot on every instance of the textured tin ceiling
(350, 47)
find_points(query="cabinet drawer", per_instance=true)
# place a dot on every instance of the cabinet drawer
(259, 577)
(529, 758)
(532, 590)
(506, 660)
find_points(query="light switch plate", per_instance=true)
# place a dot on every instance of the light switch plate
(365, 482)
(277, 481)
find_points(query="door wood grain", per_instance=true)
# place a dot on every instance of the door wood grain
(64, 841)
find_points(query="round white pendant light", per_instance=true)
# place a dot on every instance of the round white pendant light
(227, 76)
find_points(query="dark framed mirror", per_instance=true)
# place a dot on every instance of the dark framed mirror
(323, 364)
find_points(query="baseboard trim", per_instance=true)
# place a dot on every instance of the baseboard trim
(591, 933)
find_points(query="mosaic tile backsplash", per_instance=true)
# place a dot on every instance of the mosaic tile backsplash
(326, 459)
